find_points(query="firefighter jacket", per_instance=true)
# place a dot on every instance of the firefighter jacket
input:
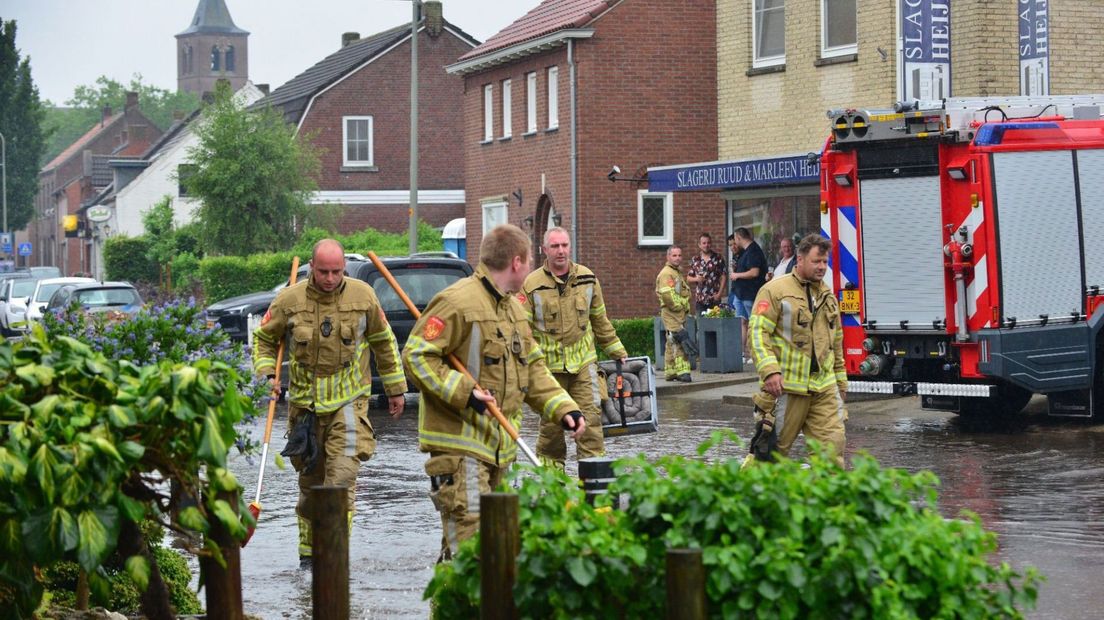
(487, 331)
(792, 322)
(674, 298)
(328, 336)
(567, 316)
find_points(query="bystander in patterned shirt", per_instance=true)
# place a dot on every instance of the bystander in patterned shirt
(711, 269)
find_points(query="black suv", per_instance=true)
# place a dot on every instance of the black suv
(421, 276)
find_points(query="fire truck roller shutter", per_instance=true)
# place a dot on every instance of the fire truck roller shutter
(902, 247)
(1037, 235)
(1090, 167)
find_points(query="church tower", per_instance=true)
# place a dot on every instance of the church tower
(212, 48)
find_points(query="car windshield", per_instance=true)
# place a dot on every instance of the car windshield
(420, 285)
(23, 288)
(46, 291)
(107, 297)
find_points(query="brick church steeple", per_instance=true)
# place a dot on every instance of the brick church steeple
(210, 49)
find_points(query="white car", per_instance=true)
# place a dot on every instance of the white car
(42, 293)
(14, 296)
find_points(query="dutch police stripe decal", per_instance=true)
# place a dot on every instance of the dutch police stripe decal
(847, 244)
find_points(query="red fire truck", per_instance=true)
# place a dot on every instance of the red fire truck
(968, 255)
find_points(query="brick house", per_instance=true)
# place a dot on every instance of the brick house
(78, 174)
(355, 107)
(569, 90)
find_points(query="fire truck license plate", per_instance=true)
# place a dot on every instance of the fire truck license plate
(851, 302)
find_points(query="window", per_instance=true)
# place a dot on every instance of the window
(768, 32)
(838, 28)
(655, 218)
(531, 102)
(553, 97)
(506, 101)
(214, 59)
(358, 141)
(488, 113)
(494, 213)
(230, 58)
(183, 173)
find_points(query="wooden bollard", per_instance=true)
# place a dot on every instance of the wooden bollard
(685, 585)
(224, 585)
(499, 544)
(330, 552)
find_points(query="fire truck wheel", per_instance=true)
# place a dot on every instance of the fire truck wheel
(1010, 400)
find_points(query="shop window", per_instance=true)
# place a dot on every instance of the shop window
(494, 213)
(768, 31)
(655, 217)
(839, 25)
(773, 218)
(488, 113)
(357, 137)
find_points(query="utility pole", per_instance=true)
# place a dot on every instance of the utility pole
(4, 182)
(417, 10)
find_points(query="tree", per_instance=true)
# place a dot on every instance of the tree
(21, 121)
(252, 177)
(85, 107)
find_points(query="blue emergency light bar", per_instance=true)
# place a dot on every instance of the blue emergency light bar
(993, 134)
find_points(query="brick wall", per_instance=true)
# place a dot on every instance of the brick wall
(1076, 56)
(394, 218)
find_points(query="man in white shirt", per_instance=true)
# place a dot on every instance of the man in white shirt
(785, 265)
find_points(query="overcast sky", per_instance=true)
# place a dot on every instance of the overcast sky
(72, 42)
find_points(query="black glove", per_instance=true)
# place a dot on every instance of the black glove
(575, 417)
(682, 337)
(476, 404)
(303, 441)
(765, 441)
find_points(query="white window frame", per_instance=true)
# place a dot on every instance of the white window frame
(553, 97)
(495, 205)
(345, 161)
(765, 61)
(488, 113)
(507, 102)
(531, 102)
(839, 50)
(668, 237)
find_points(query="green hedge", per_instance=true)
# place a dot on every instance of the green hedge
(636, 335)
(126, 258)
(230, 276)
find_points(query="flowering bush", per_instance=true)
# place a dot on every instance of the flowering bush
(173, 331)
(720, 311)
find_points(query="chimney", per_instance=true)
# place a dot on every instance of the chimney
(131, 100)
(434, 18)
(349, 37)
(106, 114)
(264, 88)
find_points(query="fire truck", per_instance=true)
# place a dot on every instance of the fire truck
(968, 252)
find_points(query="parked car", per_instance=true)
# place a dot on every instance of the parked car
(44, 290)
(420, 276)
(45, 272)
(15, 294)
(120, 298)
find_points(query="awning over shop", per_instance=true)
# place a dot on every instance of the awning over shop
(734, 175)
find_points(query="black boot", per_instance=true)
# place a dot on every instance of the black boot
(306, 562)
(684, 377)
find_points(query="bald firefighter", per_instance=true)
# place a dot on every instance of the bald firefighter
(564, 304)
(796, 339)
(479, 320)
(330, 324)
(674, 306)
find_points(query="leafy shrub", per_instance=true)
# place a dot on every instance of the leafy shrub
(229, 276)
(636, 334)
(382, 243)
(85, 443)
(778, 541)
(128, 258)
(185, 272)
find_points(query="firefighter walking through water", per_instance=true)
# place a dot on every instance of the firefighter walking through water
(674, 307)
(796, 339)
(330, 323)
(563, 301)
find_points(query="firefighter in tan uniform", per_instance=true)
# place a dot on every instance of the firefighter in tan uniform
(674, 306)
(564, 304)
(796, 339)
(330, 324)
(480, 321)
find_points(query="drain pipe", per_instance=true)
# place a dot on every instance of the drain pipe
(574, 157)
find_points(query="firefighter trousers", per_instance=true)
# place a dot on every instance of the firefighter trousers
(675, 362)
(456, 482)
(820, 415)
(345, 438)
(584, 388)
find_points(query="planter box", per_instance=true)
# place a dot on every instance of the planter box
(720, 344)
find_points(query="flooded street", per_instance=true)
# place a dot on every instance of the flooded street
(1038, 483)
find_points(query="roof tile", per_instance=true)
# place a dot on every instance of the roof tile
(546, 18)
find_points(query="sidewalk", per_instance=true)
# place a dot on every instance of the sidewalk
(731, 388)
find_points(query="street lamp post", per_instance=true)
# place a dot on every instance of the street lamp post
(417, 4)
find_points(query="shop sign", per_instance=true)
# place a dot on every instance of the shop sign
(713, 176)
